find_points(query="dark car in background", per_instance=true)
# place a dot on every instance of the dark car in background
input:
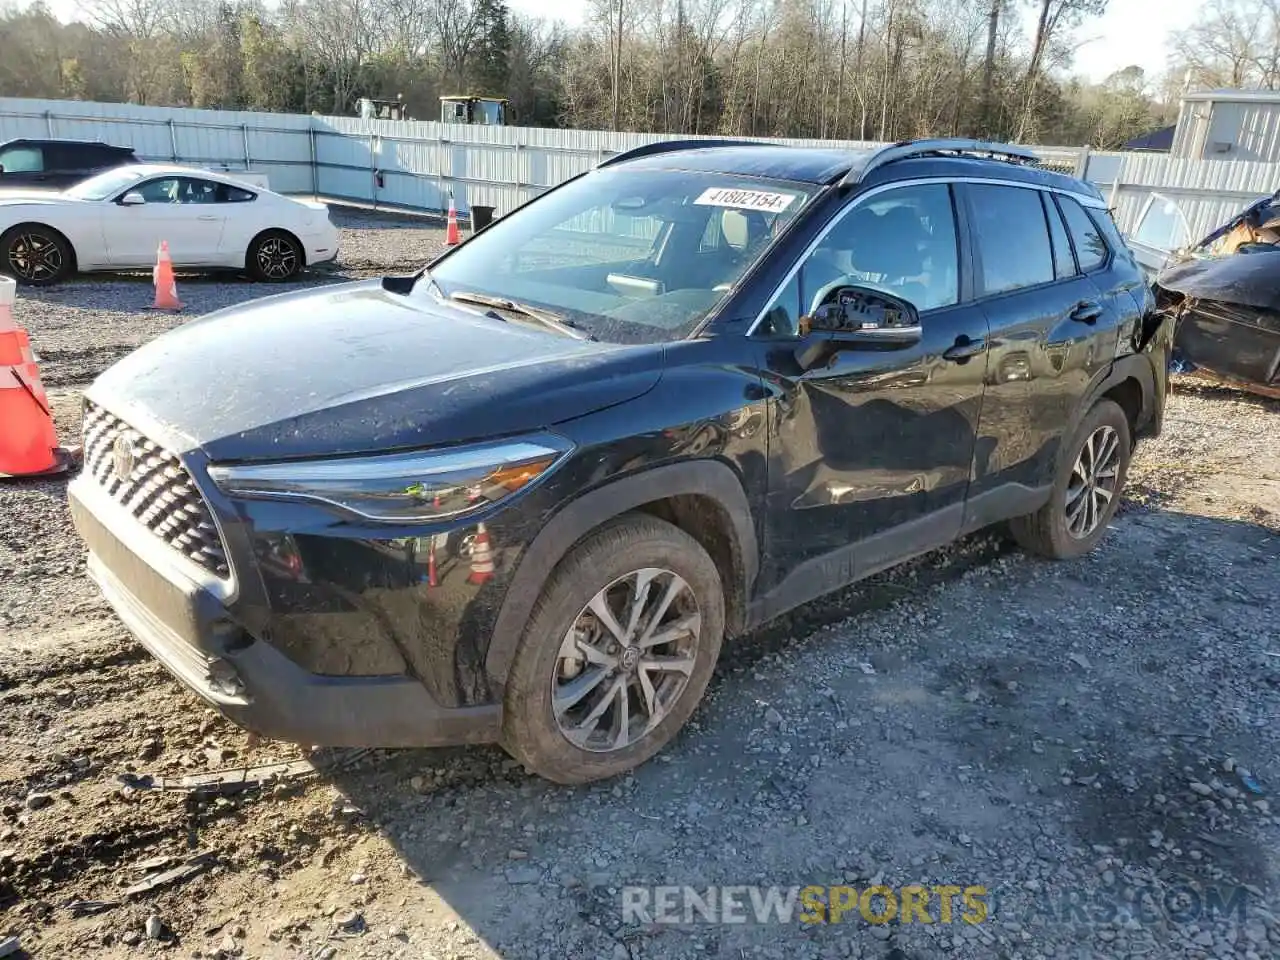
(56, 164)
(524, 495)
(1224, 291)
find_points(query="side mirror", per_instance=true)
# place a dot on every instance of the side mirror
(132, 199)
(858, 318)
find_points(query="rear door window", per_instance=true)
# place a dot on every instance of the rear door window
(62, 156)
(22, 160)
(1012, 238)
(106, 157)
(1091, 249)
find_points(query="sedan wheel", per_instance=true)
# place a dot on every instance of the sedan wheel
(617, 653)
(35, 257)
(274, 257)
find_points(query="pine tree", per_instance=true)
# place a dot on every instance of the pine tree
(493, 53)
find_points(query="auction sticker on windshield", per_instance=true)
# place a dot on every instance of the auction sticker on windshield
(745, 199)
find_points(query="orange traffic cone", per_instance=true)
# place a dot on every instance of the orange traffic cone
(28, 440)
(166, 285)
(481, 557)
(452, 237)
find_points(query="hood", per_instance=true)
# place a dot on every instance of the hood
(357, 368)
(1244, 279)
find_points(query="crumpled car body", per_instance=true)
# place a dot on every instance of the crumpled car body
(1225, 293)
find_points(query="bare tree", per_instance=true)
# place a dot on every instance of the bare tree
(798, 68)
(338, 36)
(138, 19)
(1054, 15)
(1233, 43)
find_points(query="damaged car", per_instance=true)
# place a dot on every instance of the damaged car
(1224, 291)
(526, 494)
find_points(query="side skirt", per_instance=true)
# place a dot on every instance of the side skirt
(857, 561)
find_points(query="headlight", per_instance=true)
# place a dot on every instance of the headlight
(402, 487)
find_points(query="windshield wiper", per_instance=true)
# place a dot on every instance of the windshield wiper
(545, 317)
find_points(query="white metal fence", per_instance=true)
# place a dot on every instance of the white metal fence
(418, 165)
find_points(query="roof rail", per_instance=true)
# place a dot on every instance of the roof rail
(911, 149)
(670, 146)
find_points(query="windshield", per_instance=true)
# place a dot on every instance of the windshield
(1255, 229)
(630, 256)
(104, 184)
(1163, 225)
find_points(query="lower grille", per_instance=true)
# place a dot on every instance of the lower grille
(154, 487)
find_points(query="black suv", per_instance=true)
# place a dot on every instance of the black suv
(523, 495)
(57, 164)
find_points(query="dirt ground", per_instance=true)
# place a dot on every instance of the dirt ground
(1091, 742)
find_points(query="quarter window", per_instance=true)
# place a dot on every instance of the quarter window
(1012, 238)
(1091, 249)
(782, 319)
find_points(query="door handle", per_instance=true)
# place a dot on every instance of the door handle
(964, 348)
(1087, 311)
(207, 218)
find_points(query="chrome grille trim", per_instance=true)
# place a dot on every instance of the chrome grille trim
(159, 493)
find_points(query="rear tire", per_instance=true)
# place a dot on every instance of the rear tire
(1087, 488)
(274, 256)
(572, 663)
(36, 256)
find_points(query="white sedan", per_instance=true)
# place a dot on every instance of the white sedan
(116, 221)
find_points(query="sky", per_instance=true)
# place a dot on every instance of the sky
(1130, 32)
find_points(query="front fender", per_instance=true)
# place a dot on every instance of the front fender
(709, 478)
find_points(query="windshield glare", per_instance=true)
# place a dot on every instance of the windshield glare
(104, 185)
(631, 256)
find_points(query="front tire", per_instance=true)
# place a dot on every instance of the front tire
(617, 653)
(36, 256)
(274, 257)
(1086, 491)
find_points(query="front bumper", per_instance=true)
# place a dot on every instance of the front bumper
(187, 623)
(322, 246)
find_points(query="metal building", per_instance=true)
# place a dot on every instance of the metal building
(1229, 125)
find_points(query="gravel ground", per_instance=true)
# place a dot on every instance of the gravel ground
(1092, 742)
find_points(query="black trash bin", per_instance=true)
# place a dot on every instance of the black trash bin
(481, 217)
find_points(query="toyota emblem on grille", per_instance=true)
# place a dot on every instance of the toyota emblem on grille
(122, 457)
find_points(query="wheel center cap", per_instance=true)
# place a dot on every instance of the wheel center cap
(630, 657)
